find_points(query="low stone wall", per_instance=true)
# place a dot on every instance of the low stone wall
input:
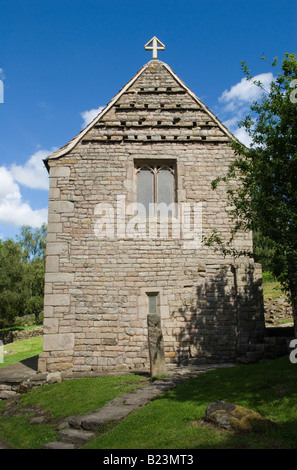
(277, 310)
(10, 336)
(10, 389)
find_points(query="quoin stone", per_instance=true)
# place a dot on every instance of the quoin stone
(154, 146)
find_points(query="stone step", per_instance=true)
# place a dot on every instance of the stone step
(59, 445)
(75, 436)
(93, 421)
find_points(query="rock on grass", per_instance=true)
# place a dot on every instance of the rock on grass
(234, 417)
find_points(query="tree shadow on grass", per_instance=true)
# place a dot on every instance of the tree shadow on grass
(268, 388)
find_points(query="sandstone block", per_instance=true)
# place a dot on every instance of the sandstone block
(60, 207)
(50, 325)
(56, 248)
(7, 394)
(59, 277)
(60, 171)
(42, 364)
(54, 227)
(58, 342)
(52, 264)
(56, 299)
(54, 377)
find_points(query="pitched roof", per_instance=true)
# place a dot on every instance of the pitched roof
(72, 143)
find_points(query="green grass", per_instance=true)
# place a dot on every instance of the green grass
(272, 289)
(20, 434)
(172, 421)
(56, 402)
(19, 328)
(21, 350)
(81, 395)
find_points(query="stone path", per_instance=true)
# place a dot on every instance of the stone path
(78, 430)
(19, 371)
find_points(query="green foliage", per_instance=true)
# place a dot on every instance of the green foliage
(11, 282)
(34, 305)
(22, 268)
(264, 252)
(266, 198)
(268, 277)
(33, 242)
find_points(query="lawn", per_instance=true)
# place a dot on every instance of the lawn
(20, 350)
(173, 420)
(272, 289)
(56, 402)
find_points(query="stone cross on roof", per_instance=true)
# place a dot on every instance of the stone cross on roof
(154, 45)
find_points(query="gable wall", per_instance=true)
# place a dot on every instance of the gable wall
(96, 302)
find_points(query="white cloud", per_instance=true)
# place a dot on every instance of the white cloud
(236, 103)
(13, 209)
(246, 91)
(89, 115)
(8, 188)
(33, 174)
(231, 122)
(243, 137)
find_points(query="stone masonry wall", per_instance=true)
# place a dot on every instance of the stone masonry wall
(96, 292)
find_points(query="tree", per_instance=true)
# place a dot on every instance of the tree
(264, 252)
(33, 244)
(11, 282)
(22, 269)
(266, 199)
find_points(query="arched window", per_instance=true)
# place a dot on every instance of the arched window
(145, 187)
(156, 186)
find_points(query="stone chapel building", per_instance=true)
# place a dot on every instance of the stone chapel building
(108, 267)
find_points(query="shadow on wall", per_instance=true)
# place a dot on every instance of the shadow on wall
(222, 319)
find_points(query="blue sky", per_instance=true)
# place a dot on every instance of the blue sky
(61, 60)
